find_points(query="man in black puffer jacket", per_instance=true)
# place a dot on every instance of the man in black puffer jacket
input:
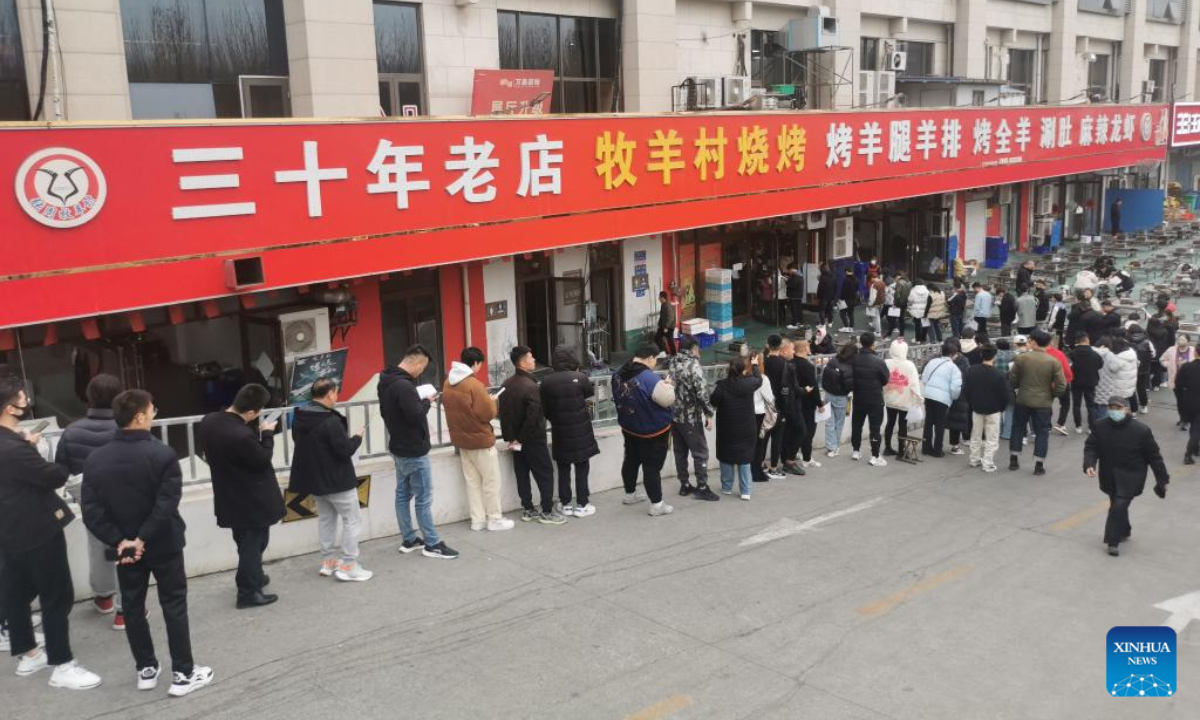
(523, 427)
(870, 375)
(81, 437)
(565, 393)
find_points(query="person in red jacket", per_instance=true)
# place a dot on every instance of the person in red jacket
(1064, 400)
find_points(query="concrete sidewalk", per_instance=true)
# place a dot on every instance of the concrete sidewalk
(922, 592)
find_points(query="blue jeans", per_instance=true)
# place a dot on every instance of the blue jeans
(1041, 430)
(1006, 423)
(956, 325)
(414, 479)
(728, 470)
(837, 418)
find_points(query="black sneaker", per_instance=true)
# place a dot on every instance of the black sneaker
(793, 469)
(888, 452)
(686, 489)
(704, 493)
(414, 545)
(1189, 460)
(530, 515)
(1038, 469)
(1014, 463)
(1114, 550)
(762, 478)
(440, 551)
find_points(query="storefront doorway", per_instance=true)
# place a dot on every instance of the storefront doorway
(411, 314)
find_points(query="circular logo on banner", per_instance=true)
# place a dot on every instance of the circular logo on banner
(60, 187)
(1147, 127)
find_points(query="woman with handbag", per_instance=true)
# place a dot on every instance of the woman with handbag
(942, 384)
(902, 395)
(837, 380)
(739, 426)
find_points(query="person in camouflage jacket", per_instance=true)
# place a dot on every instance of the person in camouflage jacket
(693, 415)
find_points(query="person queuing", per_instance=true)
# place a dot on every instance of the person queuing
(1187, 394)
(849, 298)
(1042, 296)
(1037, 379)
(1110, 320)
(644, 401)
(565, 394)
(95, 429)
(871, 374)
(33, 549)
(1057, 318)
(131, 492)
(733, 401)
(918, 308)
(877, 292)
(941, 384)
(956, 306)
(1162, 339)
(766, 417)
(937, 312)
(323, 467)
(810, 401)
(826, 294)
(795, 427)
(837, 380)
(691, 416)
(470, 411)
(982, 309)
(782, 384)
(1003, 363)
(239, 448)
(987, 393)
(405, 407)
(901, 291)
(1085, 375)
(795, 295)
(1173, 360)
(523, 427)
(958, 418)
(1119, 452)
(1140, 401)
(1083, 317)
(1008, 310)
(664, 335)
(1027, 309)
(902, 393)
(1024, 282)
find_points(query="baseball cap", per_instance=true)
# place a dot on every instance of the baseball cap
(1021, 340)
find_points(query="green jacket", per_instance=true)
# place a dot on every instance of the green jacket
(1037, 378)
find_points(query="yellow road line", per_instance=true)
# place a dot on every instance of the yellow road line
(1079, 518)
(887, 604)
(662, 708)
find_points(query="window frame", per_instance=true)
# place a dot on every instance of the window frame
(595, 84)
(393, 79)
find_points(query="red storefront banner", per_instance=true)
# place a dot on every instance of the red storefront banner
(1185, 124)
(512, 92)
(113, 218)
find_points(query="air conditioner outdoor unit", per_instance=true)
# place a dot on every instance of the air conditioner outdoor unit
(868, 83)
(1006, 194)
(843, 237)
(306, 331)
(736, 90)
(1045, 200)
(816, 220)
(897, 61)
(1043, 228)
(708, 92)
(817, 29)
(886, 89)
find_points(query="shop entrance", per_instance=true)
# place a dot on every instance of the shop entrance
(411, 314)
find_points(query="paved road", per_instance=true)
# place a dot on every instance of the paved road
(924, 592)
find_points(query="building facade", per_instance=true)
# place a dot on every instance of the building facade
(191, 302)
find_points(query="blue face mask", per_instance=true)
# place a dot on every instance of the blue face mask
(1116, 415)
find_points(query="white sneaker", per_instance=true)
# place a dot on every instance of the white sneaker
(478, 526)
(856, 455)
(726, 492)
(878, 462)
(585, 510)
(810, 463)
(660, 508)
(328, 567)
(633, 498)
(347, 573)
(36, 620)
(147, 677)
(1078, 431)
(30, 665)
(776, 474)
(1144, 411)
(989, 468)
(500, 524)
(185, 684)
(831, 453)
(73, 676)
(745, 497)
(956, 450)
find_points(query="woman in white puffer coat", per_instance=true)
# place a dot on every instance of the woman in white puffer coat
(1119, 374)
(902, 392)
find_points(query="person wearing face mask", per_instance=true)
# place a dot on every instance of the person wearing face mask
(1173, 360)
(33, 548)
(1119, 451)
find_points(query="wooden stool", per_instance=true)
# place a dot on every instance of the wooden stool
(910, 450)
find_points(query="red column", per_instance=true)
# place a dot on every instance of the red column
(668, 259)
(1023, 232)
(478, 314)
(960, 212)
(454, 322)
(365, 340)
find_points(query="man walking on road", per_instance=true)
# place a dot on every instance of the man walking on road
(1187, 394)
(691, 415)
(131, 493)
(246, 498)
(644, 403)
(1119, 451)
(1037, 378)
(469, 414)
(870, 375)
(987, 392)
(404, 405)
(523, 427)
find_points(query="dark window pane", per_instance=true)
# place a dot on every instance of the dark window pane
(165, 40)
(266, 101)
(385, 98)
(579, 97)
(607, 46)
(510, 58)
(397, 38)
(604, 96)
(869, 53)
(1020, 67)
(410, 94)
(556, 101)
(171, 101)
(539, 42)
(227, 100)
(14, 101)
(12, 65)
(577, 38)
(239, 39)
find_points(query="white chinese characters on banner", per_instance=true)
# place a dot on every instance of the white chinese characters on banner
(899, 141)
(476, 166)
(927, 139)
(209, 182)
(951, 138)
(392, 167)
(312, 176)
(840, 141)
(982, 134)
(541, 170)
(869, 141)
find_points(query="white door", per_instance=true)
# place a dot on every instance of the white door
(975, 231)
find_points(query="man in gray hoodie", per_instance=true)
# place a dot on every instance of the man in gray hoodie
(1027, 305)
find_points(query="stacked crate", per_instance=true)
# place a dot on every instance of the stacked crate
(718, 296)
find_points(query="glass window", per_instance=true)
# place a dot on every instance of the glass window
(1020, 68)
(245, 37)
(582, 53)
(919, 60)
(510, 57)
(1110, 7)
(1166, 10)
(14, 93)
(869, 52)
(539, 42)
(165, 41)
(1098, 77)
(1158, 76)
(397, 38)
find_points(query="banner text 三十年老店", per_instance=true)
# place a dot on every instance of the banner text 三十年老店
(113, 218)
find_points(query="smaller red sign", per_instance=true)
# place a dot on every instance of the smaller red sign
(512, 92)
(1185, 124)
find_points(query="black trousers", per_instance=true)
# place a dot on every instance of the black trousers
(776, 437)
(1006, 328)
(810, 431)
(664, 339)
(42, 572)
(981, 325)
(825, 314)
(534, 458)
(581, 481)
(1117, 525)
(862, 413)
(894, 415)
(847, 317)
(172, 597)
(648, 456)
(251, 544)
(1081, 401)
(794, 432)
(935, 426)
(760, 450)
(797, 307)
(1193, 444)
